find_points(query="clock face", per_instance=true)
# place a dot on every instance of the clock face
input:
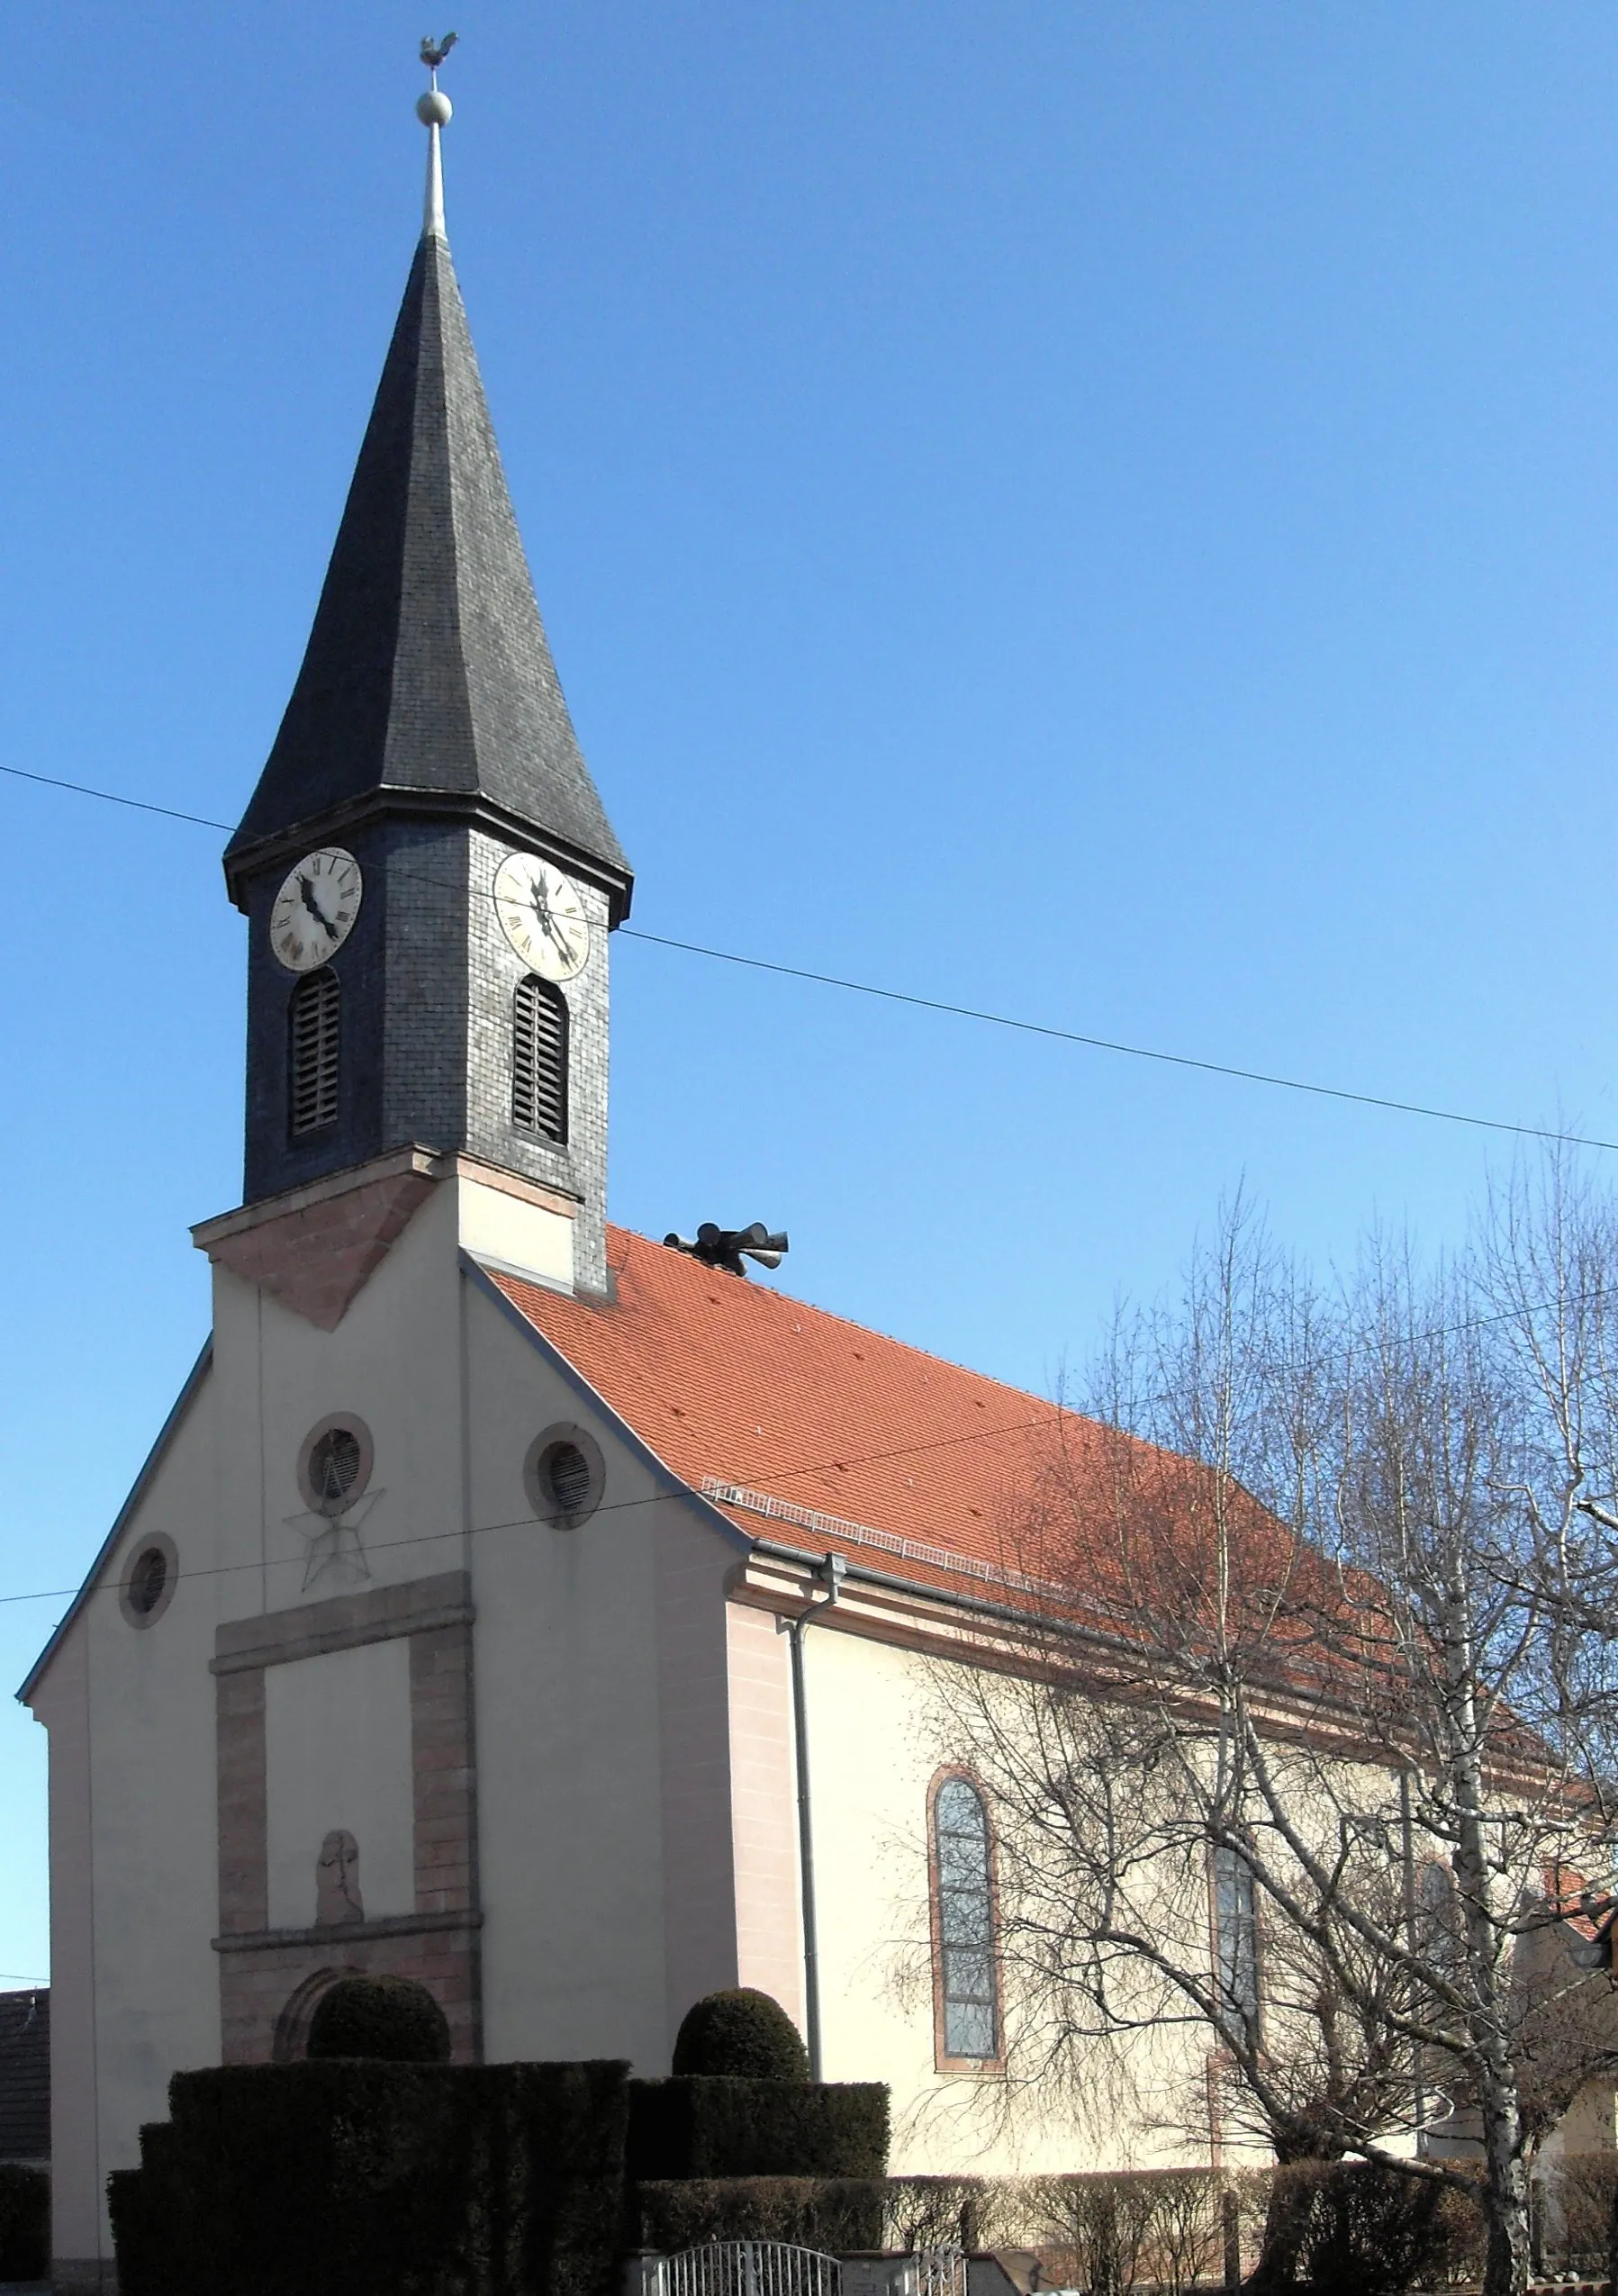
(542, 915)
(315, 908)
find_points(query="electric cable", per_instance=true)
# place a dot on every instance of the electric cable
(840, 1464)
(612, 1506)
(888, 995)
(1047, 1029)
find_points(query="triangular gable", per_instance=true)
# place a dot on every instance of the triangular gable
(138, 1490)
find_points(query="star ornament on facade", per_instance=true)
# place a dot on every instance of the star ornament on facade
(335, 1547)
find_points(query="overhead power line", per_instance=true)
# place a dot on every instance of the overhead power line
(1020, 1026)
(110, 797)
(1131, 1052)
(610, 1506)
(839, 1464)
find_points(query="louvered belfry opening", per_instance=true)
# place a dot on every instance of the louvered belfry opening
(540, 1059)
(315, 1036)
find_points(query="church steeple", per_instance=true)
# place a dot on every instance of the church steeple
(428, 677)
(429, 745)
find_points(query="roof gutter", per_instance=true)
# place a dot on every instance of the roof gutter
(1009, 1613)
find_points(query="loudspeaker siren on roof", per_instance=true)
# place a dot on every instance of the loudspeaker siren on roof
(727, 1248)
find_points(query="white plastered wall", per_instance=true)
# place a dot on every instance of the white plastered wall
(133, 1845)
(764, 1810)
(602, 1774)
(600, 1683)
(871, 1759)
(394, 1362)
(636, 1821)
(512, 1231)
(337, 1748)
(131, 1712)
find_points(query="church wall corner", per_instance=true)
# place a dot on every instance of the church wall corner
(125, 1701)
(694, 1762)
(763, 1788)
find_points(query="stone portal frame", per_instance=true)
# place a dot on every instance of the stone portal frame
(270, 1979)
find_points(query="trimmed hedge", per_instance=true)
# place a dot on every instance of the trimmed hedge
(1362, 2229)
(24, 2223)
(949, 2212)
(379, 2179)
(696, 2126)
(393, 2018)
(836, 2213)
(743, 2034)
(1575, 2209)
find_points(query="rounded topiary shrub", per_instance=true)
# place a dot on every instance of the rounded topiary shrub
(742, 2033)
(392, 2018)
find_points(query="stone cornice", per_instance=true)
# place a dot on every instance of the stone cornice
(342, 1622)
(399, 803)
(333, 1933)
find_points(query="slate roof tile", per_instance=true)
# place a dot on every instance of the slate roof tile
(428, 668)
(25, 2075)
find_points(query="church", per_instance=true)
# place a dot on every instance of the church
(458, 1624)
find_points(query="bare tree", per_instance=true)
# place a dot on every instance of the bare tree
(1304, 1776)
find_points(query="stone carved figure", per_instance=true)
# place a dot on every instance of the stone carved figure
(337, 1897)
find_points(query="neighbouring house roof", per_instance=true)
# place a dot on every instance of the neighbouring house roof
(802, 1427)
(25, 2075)
(1587, 1910)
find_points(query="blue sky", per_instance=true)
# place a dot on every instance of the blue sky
(1102, 508)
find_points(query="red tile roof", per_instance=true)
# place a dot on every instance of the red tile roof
(729, 1381)
(965, 1483)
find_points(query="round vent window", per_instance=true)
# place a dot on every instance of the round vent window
(149, 1583)
(564, 1475)
(334, 1468)
(334, 1465)
(567, 1478)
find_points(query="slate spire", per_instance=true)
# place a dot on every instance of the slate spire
(428, 686)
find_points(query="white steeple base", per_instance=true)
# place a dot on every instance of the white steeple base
(314, 1248)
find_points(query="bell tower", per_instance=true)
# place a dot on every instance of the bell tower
(428, 873)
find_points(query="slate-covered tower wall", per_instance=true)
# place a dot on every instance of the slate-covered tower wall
(428, 736)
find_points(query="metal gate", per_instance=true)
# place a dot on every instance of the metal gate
(940, 2272)
(750, 2268)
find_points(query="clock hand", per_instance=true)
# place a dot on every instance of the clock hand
(542, 910)
(307, 892)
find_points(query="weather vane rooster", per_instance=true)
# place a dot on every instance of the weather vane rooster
(433, 51)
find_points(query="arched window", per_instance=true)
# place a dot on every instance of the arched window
(1437, 1919)
(540, 1059)
(1236, 1935)
(967, 1994)
(315, 1031)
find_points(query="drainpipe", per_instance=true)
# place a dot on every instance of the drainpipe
(829, 1572)
(1408, 1833)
